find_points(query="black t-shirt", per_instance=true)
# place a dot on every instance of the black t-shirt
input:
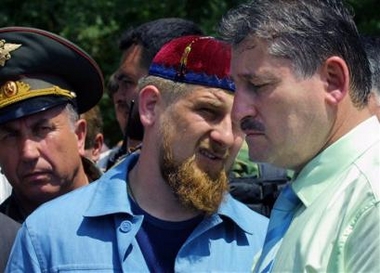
(161, 240)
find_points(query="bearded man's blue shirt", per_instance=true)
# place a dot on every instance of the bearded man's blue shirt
(93, 228)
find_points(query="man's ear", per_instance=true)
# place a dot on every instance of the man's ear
(81, 131)
(336, 74)
(149, 98)
(97, 148)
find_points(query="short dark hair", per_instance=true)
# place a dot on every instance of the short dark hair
(306, 32)
(154, 34)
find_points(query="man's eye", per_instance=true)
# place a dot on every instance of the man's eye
(255, 87)
(126, 83)
(208, 113)
(7, 135)
(43, 130)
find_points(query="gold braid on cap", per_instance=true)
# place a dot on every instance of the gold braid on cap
(15, 91)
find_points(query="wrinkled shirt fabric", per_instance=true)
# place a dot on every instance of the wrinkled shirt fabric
(338, 227)
(93, 229)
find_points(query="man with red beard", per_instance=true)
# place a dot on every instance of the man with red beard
(165, 208)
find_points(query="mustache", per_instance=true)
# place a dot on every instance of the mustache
(128, 106)
(250, 124)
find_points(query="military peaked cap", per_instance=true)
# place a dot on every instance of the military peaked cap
(40, 70)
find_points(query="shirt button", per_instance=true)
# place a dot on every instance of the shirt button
(125, 226)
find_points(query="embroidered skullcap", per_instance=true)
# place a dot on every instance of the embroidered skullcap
(195, 60)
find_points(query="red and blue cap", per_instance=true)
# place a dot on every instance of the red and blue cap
(196, 60)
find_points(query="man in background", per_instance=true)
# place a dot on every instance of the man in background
(45, 83)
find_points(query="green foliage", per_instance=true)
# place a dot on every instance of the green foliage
(367, 15)
(96, 26)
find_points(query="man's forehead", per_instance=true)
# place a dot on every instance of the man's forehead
(204, 92)
(132, 52)
(131, 67)
(247, 44)
(132, 60)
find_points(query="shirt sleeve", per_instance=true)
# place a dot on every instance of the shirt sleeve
(362, 249)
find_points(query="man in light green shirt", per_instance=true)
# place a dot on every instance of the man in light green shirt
(302, 86)
(337, 227)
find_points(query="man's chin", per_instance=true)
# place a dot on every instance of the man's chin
(204, 192)
(211, 169)
(46, 191)
(214, 174)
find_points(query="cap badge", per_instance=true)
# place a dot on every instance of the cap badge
(183, 61)
(5, 49)
(10, 89)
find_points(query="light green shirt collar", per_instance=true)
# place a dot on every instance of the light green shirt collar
(319, 172)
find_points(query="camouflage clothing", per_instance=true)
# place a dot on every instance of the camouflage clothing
(256, 184)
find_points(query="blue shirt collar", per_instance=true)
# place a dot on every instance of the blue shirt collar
(114, 183)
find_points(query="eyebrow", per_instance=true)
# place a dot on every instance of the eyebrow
(249, 75)
(214, 102)
(123, 76)
(212, 99)
(265, 75)
(32, 123)
(5, 128)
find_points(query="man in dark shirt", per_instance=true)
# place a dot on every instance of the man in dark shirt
(8, 233)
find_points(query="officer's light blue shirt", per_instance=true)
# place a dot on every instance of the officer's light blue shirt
(92, 229)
